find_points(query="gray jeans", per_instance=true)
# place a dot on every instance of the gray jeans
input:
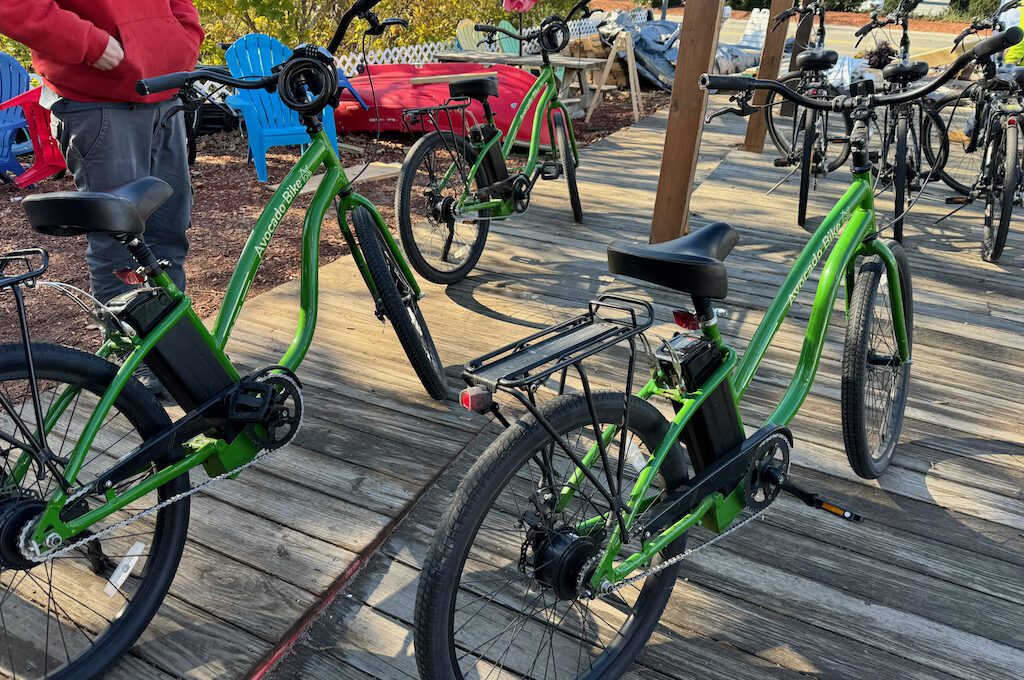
(109, 144)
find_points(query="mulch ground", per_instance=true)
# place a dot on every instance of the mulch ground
(228, 201)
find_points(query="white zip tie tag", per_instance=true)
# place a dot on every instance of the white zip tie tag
(634, 456)
(124, 569)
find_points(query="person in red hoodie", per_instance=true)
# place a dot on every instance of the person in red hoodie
(89, 54)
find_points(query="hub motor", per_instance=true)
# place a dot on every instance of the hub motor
(561, 558)
(15, 515)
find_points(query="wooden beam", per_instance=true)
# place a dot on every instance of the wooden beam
(698, 41)
(771, 58)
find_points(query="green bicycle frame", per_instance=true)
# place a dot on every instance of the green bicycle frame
(849, 231)
(543, 92)
(216, 455)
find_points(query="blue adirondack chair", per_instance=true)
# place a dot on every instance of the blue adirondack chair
(14, 80)
(268, 122)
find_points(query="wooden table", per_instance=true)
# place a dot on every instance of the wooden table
(576, 68)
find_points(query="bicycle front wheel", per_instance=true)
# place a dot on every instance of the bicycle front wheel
(504, 584)
(875, 383)
(563, 149)
(442, 245)
(397, 301)
(63, 618)
(1004, 172)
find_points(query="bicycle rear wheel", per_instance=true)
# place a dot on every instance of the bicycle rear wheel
(397, 301)
(62, 618)
(957, 114)
(1004, 177)
(491, 598)
(442, 246)
(875, 384)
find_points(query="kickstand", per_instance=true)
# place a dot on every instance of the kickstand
(779, 183)
(951, 213)
(818, 503)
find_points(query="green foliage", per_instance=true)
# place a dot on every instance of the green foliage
(315, 20)
(16, 50)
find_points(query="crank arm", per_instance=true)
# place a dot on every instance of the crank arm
(817, 502)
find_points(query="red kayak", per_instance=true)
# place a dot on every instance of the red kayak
(393, 92)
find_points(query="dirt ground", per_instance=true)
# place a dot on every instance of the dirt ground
(228, 201)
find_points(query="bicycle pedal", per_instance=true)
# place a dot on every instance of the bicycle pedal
(550, 170)
(817, 502)
(838, 140)
(250, 403)
(782, 162)
(957, 200)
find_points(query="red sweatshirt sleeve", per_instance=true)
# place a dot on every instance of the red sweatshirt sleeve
(188, 16)
(58, 33)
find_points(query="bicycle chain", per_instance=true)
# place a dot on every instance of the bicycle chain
(37, 557)
(609, 588)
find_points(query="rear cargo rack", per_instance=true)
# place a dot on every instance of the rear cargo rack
(608, 321)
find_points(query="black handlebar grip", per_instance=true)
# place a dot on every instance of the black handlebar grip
(485, 28)
(727, 83)
(998, 42)
(168, 81)
(864, 30)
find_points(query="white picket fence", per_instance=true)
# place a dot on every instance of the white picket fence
(423, 53)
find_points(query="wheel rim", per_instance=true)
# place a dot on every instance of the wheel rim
(444, 239)
(55, 613)
(962, 166)
(503, 617)
(884, 377)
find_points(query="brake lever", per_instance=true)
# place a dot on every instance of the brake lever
(743, 108)
(490, 40)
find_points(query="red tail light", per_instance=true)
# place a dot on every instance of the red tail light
(685, 319)
(133, 277)
(1011, 121)
(477, 399)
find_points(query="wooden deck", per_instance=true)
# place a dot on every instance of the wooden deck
(932, 585)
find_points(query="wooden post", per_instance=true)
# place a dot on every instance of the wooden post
(771, 58)
(698, 41)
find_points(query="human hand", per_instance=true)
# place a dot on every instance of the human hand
(111, 57)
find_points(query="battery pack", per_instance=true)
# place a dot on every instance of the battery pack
(494, 160)
(182, 360)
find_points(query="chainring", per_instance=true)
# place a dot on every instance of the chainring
(761, 486)
(285, 417)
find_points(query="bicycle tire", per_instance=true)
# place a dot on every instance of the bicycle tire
(867, 460)
(415, 162)
(441, 581)
(934, 145)
(959, 166)
(93, 375)
(781, 130)
(900, 179)
(563, 148)
(398, 303)
(999, 208)
(806, 161)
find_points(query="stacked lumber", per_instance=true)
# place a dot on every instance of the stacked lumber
(591, 47)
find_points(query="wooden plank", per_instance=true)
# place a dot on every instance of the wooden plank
(698, 40)
(450, 78)
(768, 69)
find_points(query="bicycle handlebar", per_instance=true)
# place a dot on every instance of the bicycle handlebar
(358, 8)
(487, 28)
(979, 52)
(176, 81)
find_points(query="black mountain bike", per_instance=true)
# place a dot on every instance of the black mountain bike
(908, 157)
(803, 136)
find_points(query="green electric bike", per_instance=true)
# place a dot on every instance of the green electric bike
(94, 483)
(456, 178)
(560, 549)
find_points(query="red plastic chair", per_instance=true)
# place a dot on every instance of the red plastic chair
(48, 159)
